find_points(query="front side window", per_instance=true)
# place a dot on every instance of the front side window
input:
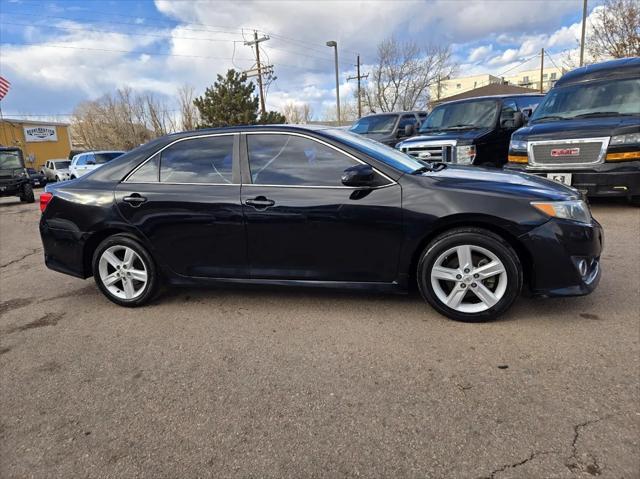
(596, 99)
(198, 160)
(82, 160)
(290, 160)
(407, 120)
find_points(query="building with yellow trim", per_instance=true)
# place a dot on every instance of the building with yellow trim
(40, 141)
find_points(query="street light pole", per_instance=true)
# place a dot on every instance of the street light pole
(584, 28)
(335, 49)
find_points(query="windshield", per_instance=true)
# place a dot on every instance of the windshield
(468, 114)
(101, 158)
(61, 165)
(375, 124)
(380, 152)
(610, 98)
(10, 160)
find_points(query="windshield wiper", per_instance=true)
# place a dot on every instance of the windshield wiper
(459, 126)
(550, 117)
(595, 114)
(434, 166)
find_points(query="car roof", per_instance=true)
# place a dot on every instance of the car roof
(493, 97)
(100, 151)
(407, 112)
(613, 69)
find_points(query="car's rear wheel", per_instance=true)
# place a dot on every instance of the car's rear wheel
(470, 274)
(124, 271)
(26, 195)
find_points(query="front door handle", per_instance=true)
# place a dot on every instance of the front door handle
(260, 202)
(135, 199)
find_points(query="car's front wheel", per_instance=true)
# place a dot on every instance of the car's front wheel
(124, 271)
(470, 274)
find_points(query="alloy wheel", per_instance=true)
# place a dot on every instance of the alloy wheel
(469, 278)
(123, 272)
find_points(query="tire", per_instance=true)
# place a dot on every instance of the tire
(454, 291)
(57, 178)
(72, 177)
(105, 269)
(27, 196)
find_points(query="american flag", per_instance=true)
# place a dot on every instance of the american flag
(4, 87)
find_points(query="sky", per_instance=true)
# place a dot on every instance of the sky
(59, 53)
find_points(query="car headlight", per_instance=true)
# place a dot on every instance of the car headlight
(576, 210)
(465, 154)
(629, 138)
(518, 145)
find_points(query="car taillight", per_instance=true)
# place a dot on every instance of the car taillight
(45, 198)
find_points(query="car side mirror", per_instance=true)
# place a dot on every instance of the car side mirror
(358, 175)
(527, 112)
(518, 119)
(409, 130)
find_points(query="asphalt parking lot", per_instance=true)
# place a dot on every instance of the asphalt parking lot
(277, 383)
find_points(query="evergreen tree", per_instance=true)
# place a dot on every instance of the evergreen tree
(231, 101)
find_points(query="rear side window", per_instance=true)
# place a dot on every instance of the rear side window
(101, 158)
(198, 160)
(296, 161)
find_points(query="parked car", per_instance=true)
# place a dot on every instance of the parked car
(14, 179)
(37, 179)
(388, 128)
(325, 207)
(473, 131)
(586, 132)
(56, 170)
(85, 162)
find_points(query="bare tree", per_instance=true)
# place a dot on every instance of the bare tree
(189, 116)
(296, 113)
(348, 111)
(403, 74)
(615, 30)
(122, 120)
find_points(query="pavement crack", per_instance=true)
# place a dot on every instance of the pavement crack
(574, 463)
(34, 251)
(513, 465)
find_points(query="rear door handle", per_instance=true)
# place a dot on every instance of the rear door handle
(134, 199)
(260, 202)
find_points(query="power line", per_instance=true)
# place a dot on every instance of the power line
(519, 64)
(133, 52)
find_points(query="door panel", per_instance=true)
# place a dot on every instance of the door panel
(308, 226)
(196, 230)
(324, 234)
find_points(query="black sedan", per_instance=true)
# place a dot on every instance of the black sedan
(323, 207)
(38, 180)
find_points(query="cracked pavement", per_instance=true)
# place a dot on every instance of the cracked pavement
(278, 383)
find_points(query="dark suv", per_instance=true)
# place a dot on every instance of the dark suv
(389, 128)
(586, 132)
(14, 179)
(474, 131)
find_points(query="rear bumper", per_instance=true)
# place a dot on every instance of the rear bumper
(63, 250)
(557, 250)
(607, 179)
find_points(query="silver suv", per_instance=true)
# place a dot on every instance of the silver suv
(56, 170)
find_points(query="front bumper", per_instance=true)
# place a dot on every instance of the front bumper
(11, 189)
(607, 179)
(557, 249)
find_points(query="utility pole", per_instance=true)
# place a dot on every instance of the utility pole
(359, 77)
(260, 69)
(584, 28)
(542, 71)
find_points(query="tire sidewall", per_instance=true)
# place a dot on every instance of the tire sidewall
(152, 274)
(490, 242)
